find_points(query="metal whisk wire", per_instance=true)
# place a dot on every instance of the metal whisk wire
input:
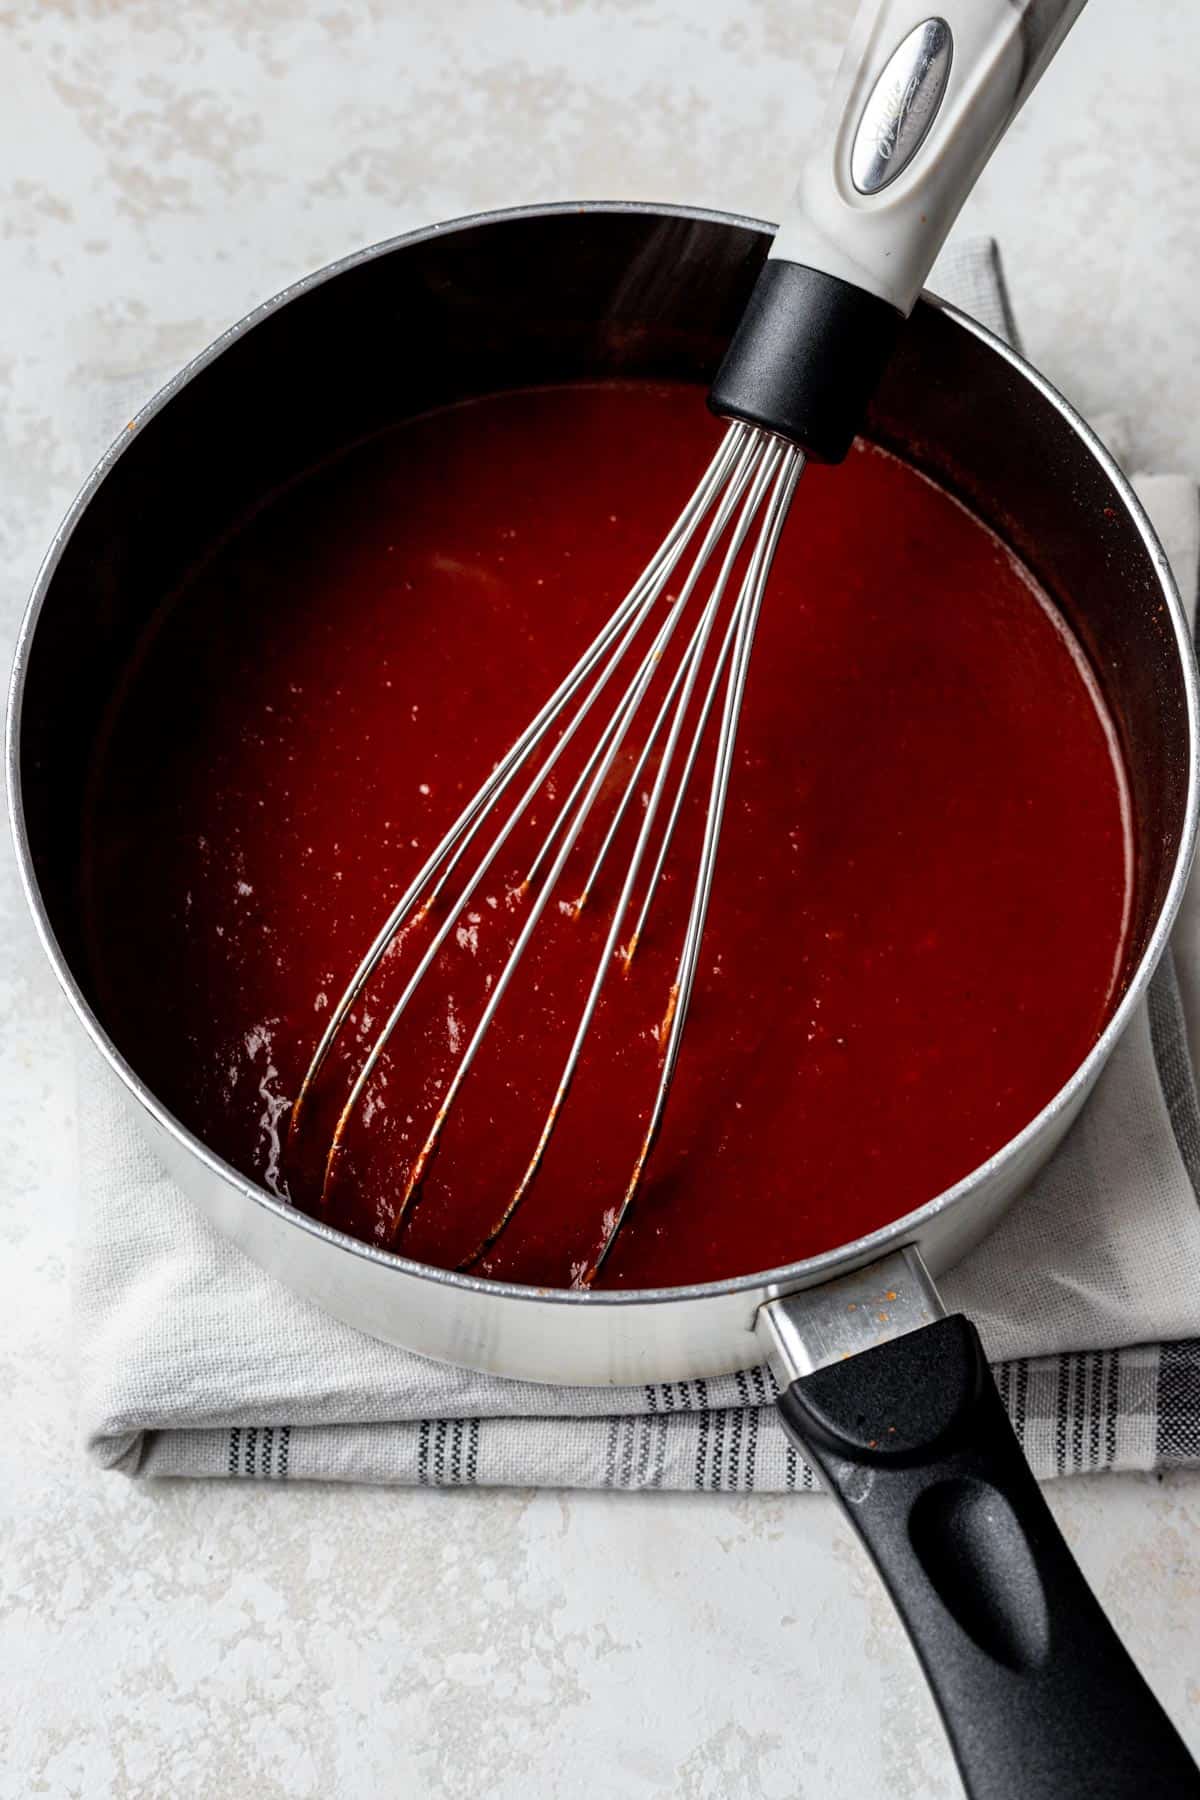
(647, 588)
(789, 470)
(750, 466)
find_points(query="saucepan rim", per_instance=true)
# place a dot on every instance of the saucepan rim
(809, 1271)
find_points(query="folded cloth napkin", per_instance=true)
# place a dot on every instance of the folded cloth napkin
(193, 1362)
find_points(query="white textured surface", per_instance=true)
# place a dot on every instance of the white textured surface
(162, 166)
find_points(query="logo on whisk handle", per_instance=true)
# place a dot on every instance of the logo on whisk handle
(901, 106)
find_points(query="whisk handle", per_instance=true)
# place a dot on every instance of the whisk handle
(925, 91)
(1039, 1696)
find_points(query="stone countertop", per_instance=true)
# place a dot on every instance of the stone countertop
(162, 167)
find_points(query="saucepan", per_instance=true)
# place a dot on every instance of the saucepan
(891, 1398)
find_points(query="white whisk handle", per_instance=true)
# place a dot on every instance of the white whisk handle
(921, 100)
(923, 96)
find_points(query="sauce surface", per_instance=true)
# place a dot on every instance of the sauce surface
(918, 917)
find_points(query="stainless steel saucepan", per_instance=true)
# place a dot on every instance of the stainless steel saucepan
(890, 1398)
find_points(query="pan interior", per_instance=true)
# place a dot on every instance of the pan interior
(244, 426)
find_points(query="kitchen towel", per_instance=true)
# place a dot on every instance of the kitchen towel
(193, 1362)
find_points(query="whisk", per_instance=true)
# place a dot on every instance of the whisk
(919, 104)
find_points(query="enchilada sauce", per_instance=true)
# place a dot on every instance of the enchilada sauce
(917, 924)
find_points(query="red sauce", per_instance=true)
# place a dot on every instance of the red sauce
(916, 929)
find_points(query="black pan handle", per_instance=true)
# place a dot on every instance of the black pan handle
(1039, 1696)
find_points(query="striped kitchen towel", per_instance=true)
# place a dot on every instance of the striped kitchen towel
(193, 1362)
(1074, 1414)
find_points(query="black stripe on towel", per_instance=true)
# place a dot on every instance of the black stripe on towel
(1020, 1399)
(646, 1428)
(1112, 1408)
(1178, 1403)
(610, 1451)
(718, 1443)
(736, 1422)
(1062, 1412)
(1096, 1408)
(702, 1445)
